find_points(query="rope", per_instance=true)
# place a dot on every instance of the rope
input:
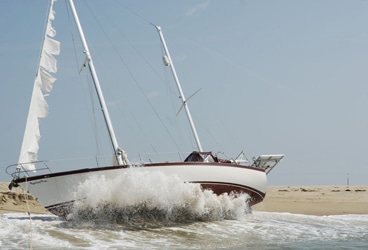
(127, 66)
(29, 215)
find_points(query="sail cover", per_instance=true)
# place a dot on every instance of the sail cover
(42, 87)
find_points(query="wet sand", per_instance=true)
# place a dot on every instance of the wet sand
(310, 200)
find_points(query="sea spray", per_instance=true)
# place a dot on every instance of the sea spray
(145, 199)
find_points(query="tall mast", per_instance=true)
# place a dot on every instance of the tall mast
(119, 153)
(184, 101)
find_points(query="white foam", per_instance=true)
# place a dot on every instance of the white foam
(259, 230)
(167, 196)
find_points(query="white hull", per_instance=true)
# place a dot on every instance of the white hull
(56, 191)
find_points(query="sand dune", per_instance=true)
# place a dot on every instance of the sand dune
(17, 200)
(311, 200)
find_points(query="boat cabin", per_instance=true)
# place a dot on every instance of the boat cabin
(196, 156)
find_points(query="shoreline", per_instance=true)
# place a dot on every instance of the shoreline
(309, 200)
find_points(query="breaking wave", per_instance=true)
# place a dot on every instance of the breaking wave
(145, 200)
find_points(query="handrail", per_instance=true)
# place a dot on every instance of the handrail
(19, 169)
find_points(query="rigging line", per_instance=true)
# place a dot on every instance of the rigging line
(96, 19)
(90, 103)
(184, 100)
(92, 117)
(72, 34)
(170, 83)
(169, 87)
(133, 77)
(43, 37)
(152, 24)
(29, 214)
(136, 13)
(93, 120)
(211, 134)
(130, 43)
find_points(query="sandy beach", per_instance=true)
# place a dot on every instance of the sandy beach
(315, 200)
(311, 200)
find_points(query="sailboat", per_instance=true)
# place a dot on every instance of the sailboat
(54, 190)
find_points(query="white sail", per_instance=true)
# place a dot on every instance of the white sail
(42, 86)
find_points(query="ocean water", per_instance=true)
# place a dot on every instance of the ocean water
(162, 212)
(257, 230)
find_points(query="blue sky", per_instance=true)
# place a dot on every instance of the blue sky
(275, 76)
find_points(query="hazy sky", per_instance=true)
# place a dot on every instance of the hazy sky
(276, 77)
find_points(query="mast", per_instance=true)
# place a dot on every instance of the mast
(119, 153)
(184, 101)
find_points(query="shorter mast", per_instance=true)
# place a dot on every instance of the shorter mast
(184, 101)
(119, 153)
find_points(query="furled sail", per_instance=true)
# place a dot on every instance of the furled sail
(42, 87)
